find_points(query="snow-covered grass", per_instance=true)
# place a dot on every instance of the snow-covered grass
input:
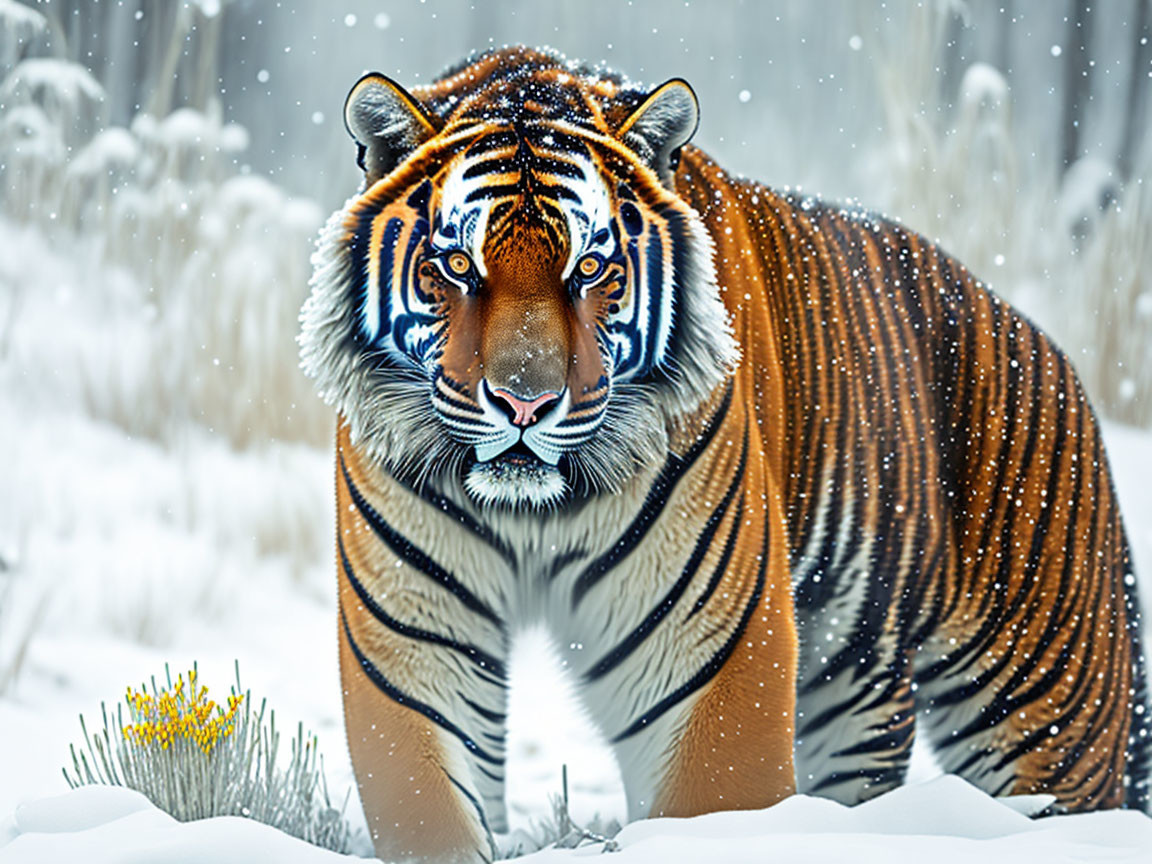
(187, 275)
(195, 759)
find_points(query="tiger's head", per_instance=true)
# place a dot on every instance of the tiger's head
(517, 300)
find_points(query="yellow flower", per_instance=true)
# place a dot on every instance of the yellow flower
(174, 713)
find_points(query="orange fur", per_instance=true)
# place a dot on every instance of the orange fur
(897, 502)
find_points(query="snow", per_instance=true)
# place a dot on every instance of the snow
(67, 82)
(110, 149)
(1087, 187)
(136, 531)
(983, 84)
(944, 820)
(20, 26)
(67, 93)
(119, 826)
(17, 16)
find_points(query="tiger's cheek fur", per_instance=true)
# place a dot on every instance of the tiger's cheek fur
(460, 349)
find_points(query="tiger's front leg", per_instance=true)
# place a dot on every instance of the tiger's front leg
(698, 696)
(734, 750)
(422, 663)
(418, 781)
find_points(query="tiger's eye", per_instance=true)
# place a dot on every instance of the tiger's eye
(459, 263)
(589, 265)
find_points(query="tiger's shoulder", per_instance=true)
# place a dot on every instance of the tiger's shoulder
(799, 247)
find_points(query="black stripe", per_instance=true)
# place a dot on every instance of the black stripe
(396, 695)
(406, 551)
(491, 775)
(386, 262)
(1089, 800)
(654, 269)
(658, 496)
(814, 723)
(894, 740)
(512, 165)
(721, 565)
(493, 716)
(594, 402)
(419, 197)
(550, 191)
(416, 238)
(877, 777)
(492, 141)
(709, 670)
(563, 560)
(634, 639)
(479, 812)
(495, 165)
(482, 659)
(452, 395)
(550, 138)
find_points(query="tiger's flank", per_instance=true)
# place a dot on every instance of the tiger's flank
(794, 479)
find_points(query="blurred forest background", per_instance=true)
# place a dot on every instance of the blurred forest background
(164, 168)
(197, 144)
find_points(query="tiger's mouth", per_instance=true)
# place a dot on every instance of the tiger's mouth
(519, 456)
(516, 477)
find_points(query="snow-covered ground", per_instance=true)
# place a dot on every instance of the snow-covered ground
(942, 820)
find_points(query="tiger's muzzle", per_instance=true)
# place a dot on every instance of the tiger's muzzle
(532, 422)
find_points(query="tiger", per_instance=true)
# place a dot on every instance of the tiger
(782, 478)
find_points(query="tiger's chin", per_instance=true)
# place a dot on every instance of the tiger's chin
(521, 483)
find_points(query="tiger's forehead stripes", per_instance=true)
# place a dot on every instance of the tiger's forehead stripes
(461, 221)
(525, 171)
(537, 85)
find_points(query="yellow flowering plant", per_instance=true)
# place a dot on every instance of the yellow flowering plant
(195, 758)
(173, 714)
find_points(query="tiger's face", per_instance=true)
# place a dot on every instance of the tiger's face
(517, 302)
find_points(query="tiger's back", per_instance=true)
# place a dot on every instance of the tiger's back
(956, 544)
(783, 477)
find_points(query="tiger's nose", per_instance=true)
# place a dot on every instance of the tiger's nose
(523, 412)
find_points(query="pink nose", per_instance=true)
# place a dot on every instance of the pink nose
(524, 410)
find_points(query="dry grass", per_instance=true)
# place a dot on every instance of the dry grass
(1073, 259)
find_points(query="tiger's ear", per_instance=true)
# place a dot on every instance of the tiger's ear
(386, 122)
(664, 122)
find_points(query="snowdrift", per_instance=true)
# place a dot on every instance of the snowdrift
(943, 820)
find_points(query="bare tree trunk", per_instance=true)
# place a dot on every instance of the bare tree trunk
(207, 85)
(160, 103)
(955, 59)
(1138, 72)
(1003, 50)
(1077, 86)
